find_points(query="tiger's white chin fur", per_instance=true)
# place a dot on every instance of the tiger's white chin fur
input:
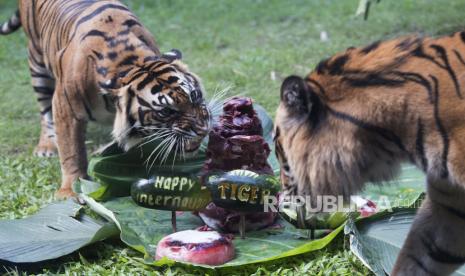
(130, 142)
(120, 134)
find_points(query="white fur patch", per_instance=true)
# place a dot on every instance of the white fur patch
(5, 28)
(131, 142)
(14, 20)
(186, 85)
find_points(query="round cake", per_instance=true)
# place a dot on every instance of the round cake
(198, 247)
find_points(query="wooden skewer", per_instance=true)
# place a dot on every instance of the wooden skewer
(301, 216)
(312, 227)
(242, 226)
(173, 221)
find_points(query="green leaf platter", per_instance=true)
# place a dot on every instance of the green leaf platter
(114, 172)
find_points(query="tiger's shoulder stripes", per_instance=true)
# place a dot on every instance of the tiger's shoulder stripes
(362, 112)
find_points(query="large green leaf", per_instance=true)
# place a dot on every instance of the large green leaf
(400, 192)
(55, 231)
(376, 241)
(142, 229)
(114, 171)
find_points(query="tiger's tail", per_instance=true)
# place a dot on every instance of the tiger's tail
(11, 25)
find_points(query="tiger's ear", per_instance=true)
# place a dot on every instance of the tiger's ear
(296, 95)
(172, 55)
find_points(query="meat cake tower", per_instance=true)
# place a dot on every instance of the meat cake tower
(236, 142)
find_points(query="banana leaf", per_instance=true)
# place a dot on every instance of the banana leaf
(376, 241)
(403, 191)
(142, 228)
(57, 230)
(113, 171)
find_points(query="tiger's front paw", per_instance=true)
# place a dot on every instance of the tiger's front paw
(46, 150)
(65, 193)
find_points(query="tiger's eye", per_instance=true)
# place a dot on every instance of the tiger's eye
(165, 112)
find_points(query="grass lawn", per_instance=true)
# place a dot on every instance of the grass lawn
(248, 44)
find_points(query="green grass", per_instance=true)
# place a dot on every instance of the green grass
(241, 43)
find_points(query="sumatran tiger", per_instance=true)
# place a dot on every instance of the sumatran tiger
(94, 61)
(362, 112)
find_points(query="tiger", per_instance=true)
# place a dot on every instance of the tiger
(361, 113)
(94, 61)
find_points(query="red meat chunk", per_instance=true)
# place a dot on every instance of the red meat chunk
(228, 221)
(236, 142)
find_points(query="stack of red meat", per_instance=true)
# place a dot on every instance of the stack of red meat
(236, 142)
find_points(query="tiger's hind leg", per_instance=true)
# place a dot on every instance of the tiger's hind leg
(435, 244)
(44, 86)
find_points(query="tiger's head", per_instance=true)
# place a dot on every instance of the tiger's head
(161, 100)
(323, 151)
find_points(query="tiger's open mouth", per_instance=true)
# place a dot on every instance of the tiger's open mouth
(192, 145)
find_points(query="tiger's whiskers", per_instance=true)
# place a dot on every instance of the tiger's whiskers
(160, 146)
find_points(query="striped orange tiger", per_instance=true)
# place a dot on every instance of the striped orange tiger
(362, 112)
(94, 61)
